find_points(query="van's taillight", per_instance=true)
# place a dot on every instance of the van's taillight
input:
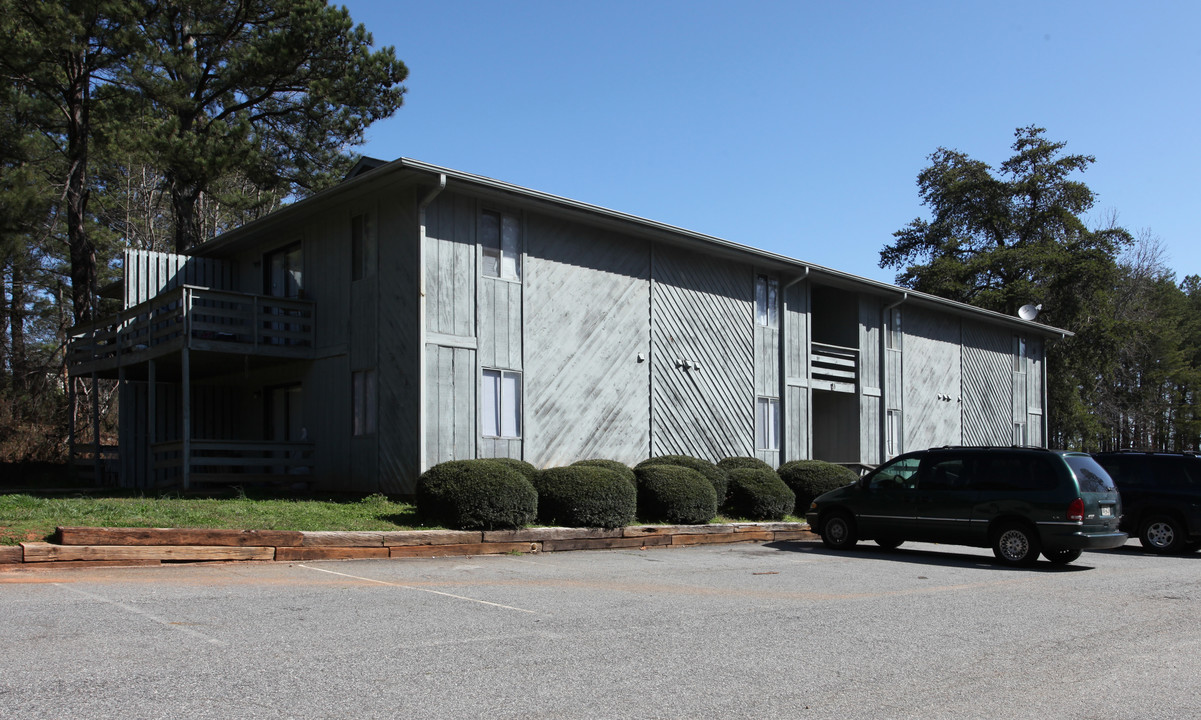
(1076, 510)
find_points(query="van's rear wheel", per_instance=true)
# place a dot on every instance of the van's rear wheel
(1016, 544)
(838, 532)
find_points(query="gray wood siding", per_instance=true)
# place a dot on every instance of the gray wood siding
(148, 273)
(451, 381)
(795, 414)
(987, 363)
(932, 369)
(587, 321)
(399, 344)
(500, 321)
(702, 310)
(450, 266)
(870, 399)
(767, 361)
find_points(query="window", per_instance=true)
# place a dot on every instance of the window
(894, 433)
(767, 423)
(363, 257)
(500, 404)
(897, 475)
(500, 237)
(893, 333)
(1019, 434)
(363, 401)
(284, 272)
(1019, 354)
(766, 307)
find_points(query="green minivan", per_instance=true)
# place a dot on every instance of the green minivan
(1018, 501)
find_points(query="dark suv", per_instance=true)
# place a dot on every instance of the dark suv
(1161, 497)
(1019, 501)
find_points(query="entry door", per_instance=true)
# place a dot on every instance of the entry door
(285, 414)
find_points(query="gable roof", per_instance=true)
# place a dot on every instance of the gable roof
(371, 170)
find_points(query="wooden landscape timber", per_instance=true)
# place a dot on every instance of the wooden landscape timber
(82, 546)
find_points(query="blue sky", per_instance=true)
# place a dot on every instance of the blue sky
(799, 127)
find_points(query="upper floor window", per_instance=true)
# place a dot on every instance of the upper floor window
(500, 237)
(893, 335)
(1020, 353)
(363, 257)
(766, 306)
(283, 272)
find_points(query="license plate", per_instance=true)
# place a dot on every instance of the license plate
(1106, 511)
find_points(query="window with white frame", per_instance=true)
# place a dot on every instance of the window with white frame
(1020, 353)
(767, 423)
(893, 333)
(500, 404)
(893, 433)
(766, 308)
(500, 238)
(363, 401)
(1020, 437)
(362, 247)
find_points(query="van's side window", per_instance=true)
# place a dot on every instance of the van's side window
(897, 475)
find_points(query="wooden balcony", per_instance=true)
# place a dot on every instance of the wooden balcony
(194, 318)
(833, 368)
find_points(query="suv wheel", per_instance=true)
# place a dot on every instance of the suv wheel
(838, 531)
(1161, 534)
(1061, 557)
(1016, 544)
(889, 543)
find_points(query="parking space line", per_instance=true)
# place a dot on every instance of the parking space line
(153, 618)
(426, 590)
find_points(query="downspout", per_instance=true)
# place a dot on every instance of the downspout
(783, 360)
(884, 330)
(422, 420)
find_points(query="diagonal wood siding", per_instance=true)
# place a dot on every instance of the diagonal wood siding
(702, 309)
(586, 321)
(987, 381)
(931, 370)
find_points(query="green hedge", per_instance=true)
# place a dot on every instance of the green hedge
(758, 494)
(715, 475)
(735, 463)
(476, 495)
(584, 496)
(521, 466)
(810, 478)
(620, 468)
(674, 494)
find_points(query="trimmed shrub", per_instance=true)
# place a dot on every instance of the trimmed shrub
(715, 475)
(584, 496)
(521, 466)
(810, 478)
(734, 463)
(758, 494)
(620, 468)
(674, 494)
(476, 495)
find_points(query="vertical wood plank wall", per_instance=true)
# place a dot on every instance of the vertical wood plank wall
(796, 412)
(1035, 419)
(702, 310)
(587, 320)
(870, 400)
(768, 379)
(148, 273)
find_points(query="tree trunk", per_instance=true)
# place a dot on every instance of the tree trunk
(83, 252)
(187, 220)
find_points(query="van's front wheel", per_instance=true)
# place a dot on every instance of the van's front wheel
(1016, 544)
(838, 532)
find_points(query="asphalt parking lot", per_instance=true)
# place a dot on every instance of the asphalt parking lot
(735, 631)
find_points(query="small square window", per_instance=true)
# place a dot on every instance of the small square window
(767, 423)
(500, 404)
(500, 239)
(766, 306)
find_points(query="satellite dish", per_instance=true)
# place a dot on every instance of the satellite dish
(1029, 312)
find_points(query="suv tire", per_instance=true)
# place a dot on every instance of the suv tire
(838, 531)
(1016, 544)
(1061, 557)
(1162, 534)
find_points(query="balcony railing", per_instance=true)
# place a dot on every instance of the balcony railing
(196, 318)
(834, 368)
(231, 462)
